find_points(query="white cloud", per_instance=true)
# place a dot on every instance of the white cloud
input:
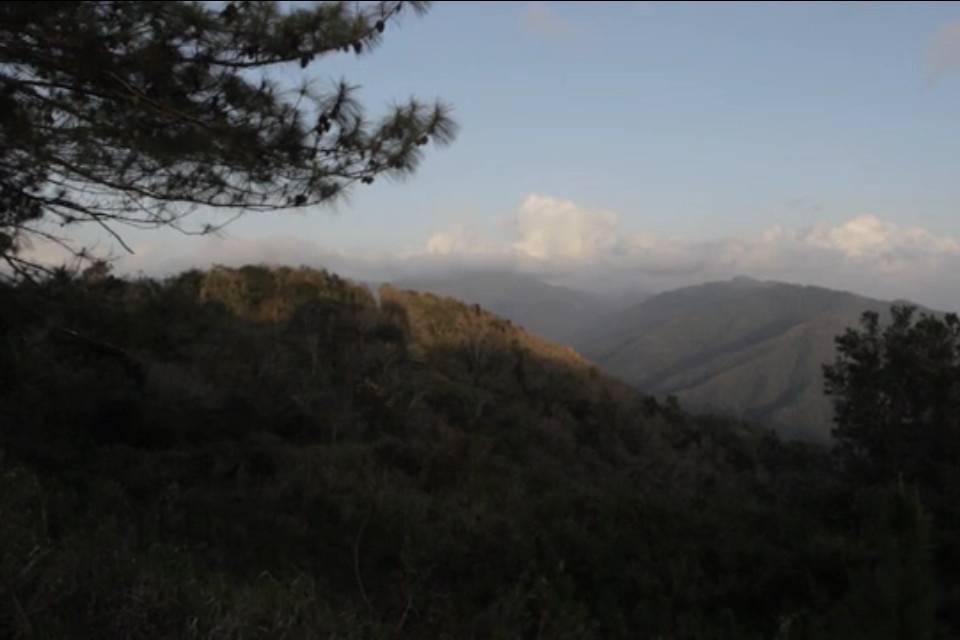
(944, 54)
(443, 243)
(550, 228)
(458, 241)
(863, 253)
(568, 243)
(884, 243)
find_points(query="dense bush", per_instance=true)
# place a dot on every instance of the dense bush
(275, 453)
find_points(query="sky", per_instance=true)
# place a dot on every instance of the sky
(649, 145)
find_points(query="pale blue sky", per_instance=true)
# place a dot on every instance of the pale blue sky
(693, 119)
(821, 132)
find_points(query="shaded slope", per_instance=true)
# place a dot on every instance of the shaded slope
(554, 312)
(745, 347)
(271, 453)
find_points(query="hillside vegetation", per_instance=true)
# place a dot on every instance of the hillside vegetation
(276, 453)
(554, 312)
(744, 348)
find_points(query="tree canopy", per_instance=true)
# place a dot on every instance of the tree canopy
(897, 395)
(141, 113)
(275, 453)
(896, 392)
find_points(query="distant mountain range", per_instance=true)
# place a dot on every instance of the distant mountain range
(743, 347)
(557, 313)
(748, 348)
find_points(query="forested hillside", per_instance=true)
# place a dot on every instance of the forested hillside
(744, 347)
(557, 313)
(274, 453)
(281, 453)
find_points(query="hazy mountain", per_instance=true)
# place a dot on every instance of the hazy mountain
(554, 312)
(744, 347)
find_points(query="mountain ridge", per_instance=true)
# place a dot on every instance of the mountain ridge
(749, 348)
(555, 312)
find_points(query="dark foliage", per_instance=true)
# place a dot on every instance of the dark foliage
(275, 453)
(897, 396)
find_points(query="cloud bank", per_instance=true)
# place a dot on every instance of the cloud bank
(568, 243)
(864, 253)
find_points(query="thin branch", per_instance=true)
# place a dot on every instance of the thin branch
(116, 236)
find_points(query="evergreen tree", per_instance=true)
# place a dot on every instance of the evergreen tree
(140, 113)
(897, 396)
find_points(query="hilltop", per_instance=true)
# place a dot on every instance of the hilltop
(273, 453)
(748, 348)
